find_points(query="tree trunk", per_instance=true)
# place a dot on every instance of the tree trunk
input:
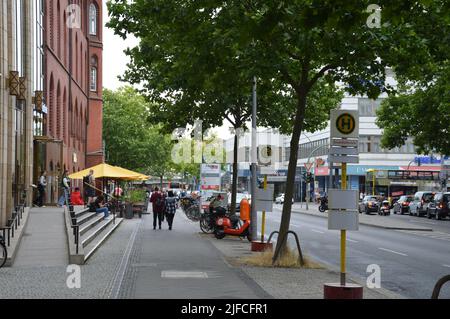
(161, 182)
(235, 175)
(292, 168)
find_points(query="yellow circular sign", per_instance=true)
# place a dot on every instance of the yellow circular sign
(345, 123)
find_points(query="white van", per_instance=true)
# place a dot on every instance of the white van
(419, 205)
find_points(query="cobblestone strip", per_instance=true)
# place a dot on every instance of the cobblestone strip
(124, 264)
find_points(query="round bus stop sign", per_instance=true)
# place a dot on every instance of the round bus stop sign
(345, 123)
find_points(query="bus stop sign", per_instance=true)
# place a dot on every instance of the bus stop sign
(344, 124)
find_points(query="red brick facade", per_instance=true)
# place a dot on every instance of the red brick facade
(73, 83)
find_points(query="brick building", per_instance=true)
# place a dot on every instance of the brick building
(68, 132)
(16, 98)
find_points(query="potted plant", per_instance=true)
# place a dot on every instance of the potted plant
(135, 202)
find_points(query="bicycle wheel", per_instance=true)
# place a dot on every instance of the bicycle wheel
(205, 225)
(3, 255)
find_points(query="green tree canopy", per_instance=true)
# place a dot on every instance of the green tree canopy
(298, 49)
(131, 142)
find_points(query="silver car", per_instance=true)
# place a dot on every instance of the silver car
(419, 205)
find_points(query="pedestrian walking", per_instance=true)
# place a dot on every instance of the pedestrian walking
(171, 208)
(65, 189)
(158, 203)
(89, 184)
(42, 184)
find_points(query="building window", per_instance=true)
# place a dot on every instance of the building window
(94, 74)
(368, 107)
(93, 19)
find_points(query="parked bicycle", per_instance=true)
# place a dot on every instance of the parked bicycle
(3, 252)
(191, 208)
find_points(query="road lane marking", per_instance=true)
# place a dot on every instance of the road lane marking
(317, 231)
(448, 266)
(352, 241)
(392, 251)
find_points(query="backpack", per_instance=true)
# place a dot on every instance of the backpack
(85, 180)
(160, 202)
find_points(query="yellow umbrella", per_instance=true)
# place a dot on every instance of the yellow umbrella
(107, 171)
(133, 175)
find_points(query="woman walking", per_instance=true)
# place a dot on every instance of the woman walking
(171, 208)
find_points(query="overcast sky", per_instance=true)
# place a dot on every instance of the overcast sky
(115, 63)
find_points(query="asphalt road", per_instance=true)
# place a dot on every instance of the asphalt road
(410, 262)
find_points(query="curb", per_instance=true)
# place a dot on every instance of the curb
(368, 224)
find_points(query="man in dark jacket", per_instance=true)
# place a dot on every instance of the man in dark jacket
(158, 202)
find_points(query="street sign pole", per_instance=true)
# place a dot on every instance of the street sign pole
(343, 203)
(254, 216)
(263, 221)
(343, 232)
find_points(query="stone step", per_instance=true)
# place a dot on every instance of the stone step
(100, 238)
(90, 235)
(86, 217)
(90, 224)
(81, 212)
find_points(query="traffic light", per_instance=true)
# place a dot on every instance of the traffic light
(309, 178)
(304, 176)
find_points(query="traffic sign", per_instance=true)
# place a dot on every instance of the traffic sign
(344, 124)
(344, 142)
(343, 220)
(264, 198)
(344, 151)
(342, 199)
(343, 159)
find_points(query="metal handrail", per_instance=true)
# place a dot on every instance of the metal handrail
(284, 239)
(75, 226)
(438, 286)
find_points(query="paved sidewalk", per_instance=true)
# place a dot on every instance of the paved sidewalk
(166, 264)
(369, 220)
(44, 241)
(288, 283)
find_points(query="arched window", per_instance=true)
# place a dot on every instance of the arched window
(93, 82)
(93, 19)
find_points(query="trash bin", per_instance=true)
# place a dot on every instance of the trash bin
(129, 214)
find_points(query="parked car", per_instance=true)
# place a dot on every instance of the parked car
(439, 207)
(280, 199)
(419, 205)
(370, 203)
(402, 205)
